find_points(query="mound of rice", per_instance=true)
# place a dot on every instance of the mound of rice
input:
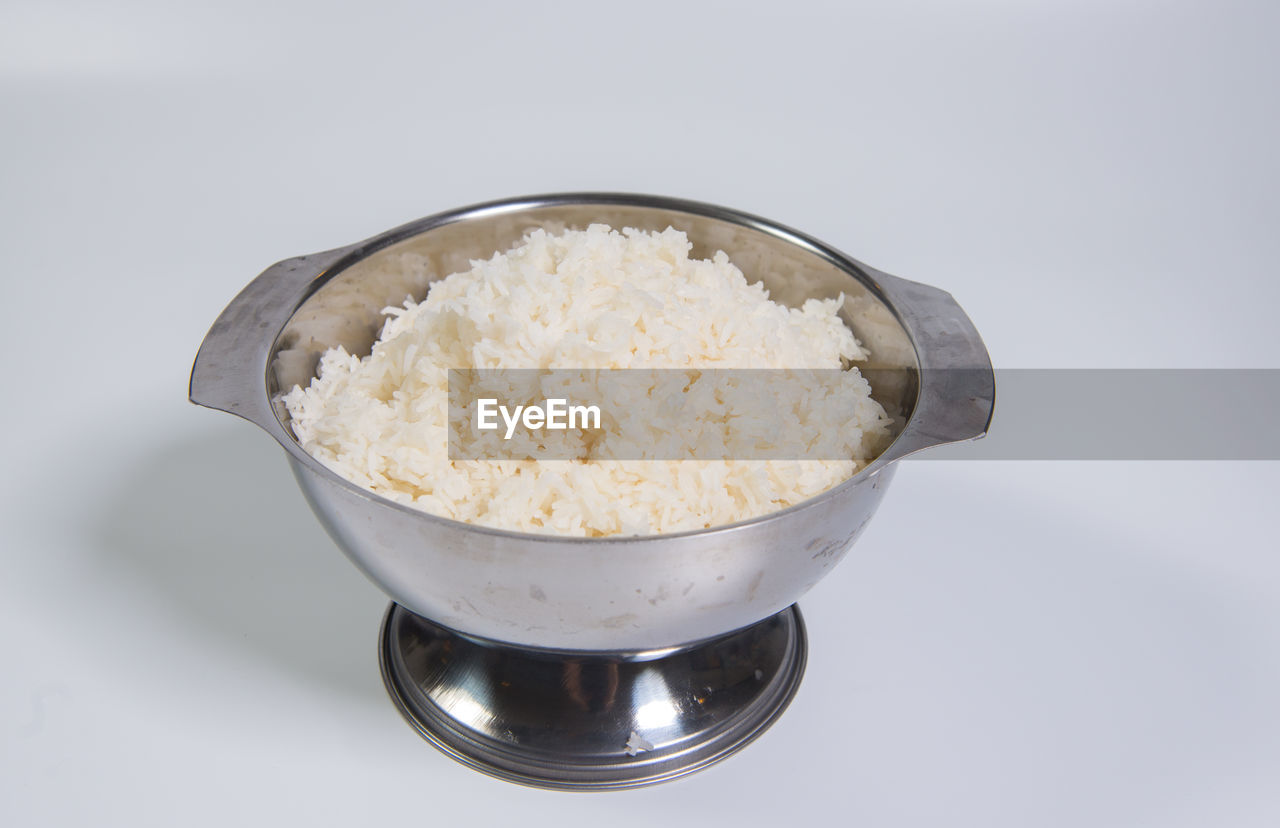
(593, 298)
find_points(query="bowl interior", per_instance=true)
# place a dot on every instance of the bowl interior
(345, 308)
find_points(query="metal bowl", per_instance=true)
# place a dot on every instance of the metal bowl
(626, 598)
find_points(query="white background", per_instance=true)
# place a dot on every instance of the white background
(1010, 644)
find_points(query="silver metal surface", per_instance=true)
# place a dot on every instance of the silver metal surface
(587, 721)
(619, 594)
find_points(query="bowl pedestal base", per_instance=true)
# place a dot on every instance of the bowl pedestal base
(587, 720)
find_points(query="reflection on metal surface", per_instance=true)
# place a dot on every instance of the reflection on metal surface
(590, 721)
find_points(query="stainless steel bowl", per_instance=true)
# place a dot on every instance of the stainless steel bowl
(625, 598)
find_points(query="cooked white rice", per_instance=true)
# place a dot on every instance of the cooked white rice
(593, 298)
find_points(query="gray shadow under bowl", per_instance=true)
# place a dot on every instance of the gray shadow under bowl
(215, 526)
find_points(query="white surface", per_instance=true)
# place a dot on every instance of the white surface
(1011, 644)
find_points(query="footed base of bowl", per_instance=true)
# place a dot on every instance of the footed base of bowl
(590, 721)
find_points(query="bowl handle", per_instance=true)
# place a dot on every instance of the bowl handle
(957, 391)
(230, 370)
